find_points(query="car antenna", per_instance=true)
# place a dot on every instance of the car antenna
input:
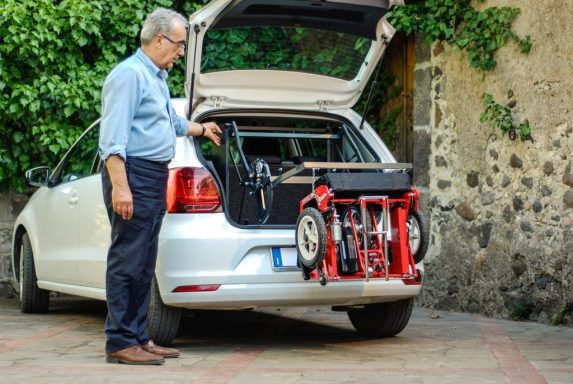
(196, 29)
(367, 106)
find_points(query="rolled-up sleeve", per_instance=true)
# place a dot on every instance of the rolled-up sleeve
(120, 98)
(179, 123)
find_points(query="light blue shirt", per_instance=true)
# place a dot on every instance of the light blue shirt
(137, 116)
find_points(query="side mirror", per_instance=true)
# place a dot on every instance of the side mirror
(38, 177)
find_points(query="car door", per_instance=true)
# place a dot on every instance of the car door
(59, 234)
(93, 223)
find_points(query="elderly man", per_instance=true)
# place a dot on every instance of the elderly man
(137, 141)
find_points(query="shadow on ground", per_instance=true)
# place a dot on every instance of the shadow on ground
(226, 327)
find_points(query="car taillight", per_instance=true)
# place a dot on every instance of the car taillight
(192, 190)
(196, 288)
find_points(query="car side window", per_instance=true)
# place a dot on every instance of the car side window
(82, 160)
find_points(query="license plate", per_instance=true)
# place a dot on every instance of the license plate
(285, 259)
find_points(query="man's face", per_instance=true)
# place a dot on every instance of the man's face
(172, 46)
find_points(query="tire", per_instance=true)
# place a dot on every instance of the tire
(418, 235)
(32, 298)
(163, 320)
(310, 237)
(382, 319)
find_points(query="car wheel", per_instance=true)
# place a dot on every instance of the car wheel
(382, 319)
(32, 298)
(418, 235)
(163, 319)
(310, 237)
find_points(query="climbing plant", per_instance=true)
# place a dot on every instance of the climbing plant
(500, 118)
(477, 33)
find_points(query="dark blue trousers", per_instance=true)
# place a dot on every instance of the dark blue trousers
(133, 252)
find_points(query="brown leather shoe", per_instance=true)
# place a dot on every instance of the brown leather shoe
(160, 351)
(134, 355)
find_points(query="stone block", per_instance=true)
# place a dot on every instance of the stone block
(526, 226)
(421, 160)
(5, 239)
(485, 235)
(508, 215)
(6, 289)
(542, 282)
(19, 201)
(518, 204)
(568, 176)
(438, 142)
(548, 168)
(472, 179)
(422, 50)
(5, 266)
(546, 191)
(5, 207)
(437, 116)
(518, 267)
(438, 49)
(515, 161)
(488, 198)
(440, 162)
(465, 211)
(527, 181)
(422, 99)
(568, 199)
(505, 181)
(444, 184)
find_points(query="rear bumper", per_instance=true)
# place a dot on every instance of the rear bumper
(305, 293)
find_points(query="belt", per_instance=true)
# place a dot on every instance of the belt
(153, 162)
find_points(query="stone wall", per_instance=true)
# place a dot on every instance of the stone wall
(501, 210)
(10, 206)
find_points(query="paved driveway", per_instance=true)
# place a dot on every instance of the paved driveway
(285, 345)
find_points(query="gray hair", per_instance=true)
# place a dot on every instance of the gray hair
(159, 22)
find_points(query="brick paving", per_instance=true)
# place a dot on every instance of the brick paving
(284, 346)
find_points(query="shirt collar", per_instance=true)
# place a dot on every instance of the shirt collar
(161, 73)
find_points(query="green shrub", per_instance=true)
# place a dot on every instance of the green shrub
(54, 56)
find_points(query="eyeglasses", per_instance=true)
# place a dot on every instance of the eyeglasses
(180, 44)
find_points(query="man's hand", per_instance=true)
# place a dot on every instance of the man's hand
(122, 202)
(212, 131)
(121, 198)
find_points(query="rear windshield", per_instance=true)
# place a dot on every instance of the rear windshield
(308, 50)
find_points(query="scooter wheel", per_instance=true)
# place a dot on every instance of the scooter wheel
(311, 237)
(418, 235)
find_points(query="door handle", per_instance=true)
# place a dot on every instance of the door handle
(74, 200)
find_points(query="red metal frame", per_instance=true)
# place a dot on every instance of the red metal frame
(400, 266)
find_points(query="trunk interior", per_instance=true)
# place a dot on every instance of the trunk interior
(283, 141)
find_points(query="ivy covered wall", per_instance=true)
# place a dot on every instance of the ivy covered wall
(502, 210)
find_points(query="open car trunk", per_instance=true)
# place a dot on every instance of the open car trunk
(283, 141)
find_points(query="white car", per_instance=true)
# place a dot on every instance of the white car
(216, 251)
